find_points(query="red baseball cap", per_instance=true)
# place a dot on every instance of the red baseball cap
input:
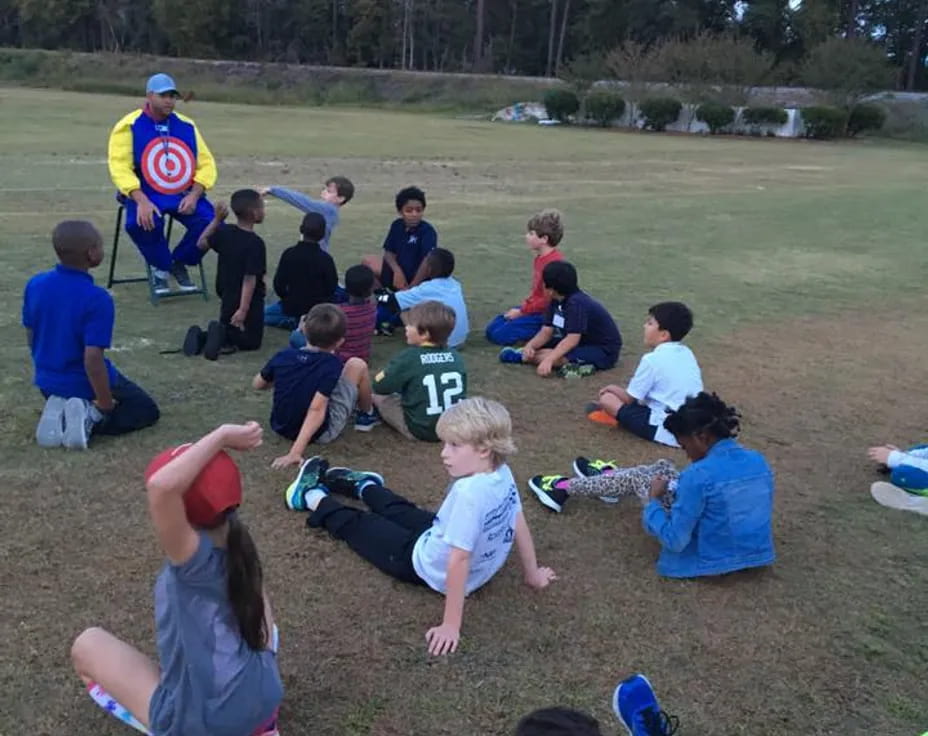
(216, 489)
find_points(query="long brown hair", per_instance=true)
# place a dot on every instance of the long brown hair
(245, 582)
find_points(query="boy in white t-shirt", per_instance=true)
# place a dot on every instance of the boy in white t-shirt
(665, 377)
(454, 551)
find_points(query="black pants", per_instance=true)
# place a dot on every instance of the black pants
(250, 338)
(134, 410)
(384, 536)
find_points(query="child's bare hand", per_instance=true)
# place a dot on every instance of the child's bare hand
(513, 314)
(658, 486)
(287, 460)
(220, 211)
(611, 389)
(540, 578)
(442, 639)
(242, 436)
(264, 191)
(880, 454)
(545, 367)
(238, 319)
(528, 353)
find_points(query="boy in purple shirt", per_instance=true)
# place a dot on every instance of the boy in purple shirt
(579, 335)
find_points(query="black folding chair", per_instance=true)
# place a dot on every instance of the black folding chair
(149, 277)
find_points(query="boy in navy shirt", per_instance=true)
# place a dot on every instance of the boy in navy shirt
(409, 240)
(314, 394)
(69, 323)
(579, 336)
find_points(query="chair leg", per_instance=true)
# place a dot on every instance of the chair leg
(119, 214)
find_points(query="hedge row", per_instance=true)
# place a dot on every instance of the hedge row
(821, 122)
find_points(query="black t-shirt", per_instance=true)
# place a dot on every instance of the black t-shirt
(241, 253)
(305, 277)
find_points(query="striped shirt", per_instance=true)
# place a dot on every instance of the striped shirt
(361, 320)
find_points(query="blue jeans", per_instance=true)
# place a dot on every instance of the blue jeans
(502, 331)
(153, 244)
(274, 316)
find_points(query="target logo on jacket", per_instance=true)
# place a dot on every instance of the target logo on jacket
(168, 165)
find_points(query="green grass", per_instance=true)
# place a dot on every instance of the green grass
(804, 265)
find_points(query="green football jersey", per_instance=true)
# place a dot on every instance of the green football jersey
(429, 379)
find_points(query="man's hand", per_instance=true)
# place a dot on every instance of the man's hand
(513, 314)
(287, 460)
(238, 319)
(220, 211)
(145, 213)
(189, 203)
(881, 454)
(540, 578)
(528, 353)
(241, 436)
(442, 639)
(658, 486)
(544, 367)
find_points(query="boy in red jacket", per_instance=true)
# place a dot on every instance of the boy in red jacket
(520, 324)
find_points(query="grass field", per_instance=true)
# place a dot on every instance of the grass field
(805, 267)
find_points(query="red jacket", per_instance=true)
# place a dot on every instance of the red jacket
(537, 301)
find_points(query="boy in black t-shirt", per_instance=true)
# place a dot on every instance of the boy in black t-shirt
(305, 277)
(242, 263)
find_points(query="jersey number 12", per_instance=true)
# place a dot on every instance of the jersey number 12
(452, 385)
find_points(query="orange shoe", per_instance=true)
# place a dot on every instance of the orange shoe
(599, 416)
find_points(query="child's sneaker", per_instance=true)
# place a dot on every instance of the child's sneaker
(894, 497)
(79, 417)
(159, 282)
(309, 477)
(384, 329)
(215, 336)
(596, 414)
(194, 341)
(576, 370)
(348, 482)
(182, 277)
(49, 432)
(545, 488)
(510, 355)
(587, 468)
(636, 706)
(365, 421)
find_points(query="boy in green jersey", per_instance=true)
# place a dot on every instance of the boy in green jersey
(425, 379)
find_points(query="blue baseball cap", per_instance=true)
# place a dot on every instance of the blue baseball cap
(159, 84)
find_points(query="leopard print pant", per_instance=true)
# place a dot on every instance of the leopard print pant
(634, 481)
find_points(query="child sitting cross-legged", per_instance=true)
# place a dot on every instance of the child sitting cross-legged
(424, 380)
(579, 335)
(454, 551)
(713, 518)
(314, 394)
(217, 666)
(662, 381)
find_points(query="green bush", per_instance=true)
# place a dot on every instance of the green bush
(865, 117)
(715, 115)
(659, 112)
(823, 122)
(561, 104)
(603, 106)
(764, 116)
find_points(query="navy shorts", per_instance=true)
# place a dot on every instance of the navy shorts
(590, 354)
(636, 418)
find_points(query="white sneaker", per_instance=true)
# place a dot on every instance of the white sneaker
(894, 497)
(50, 430)
(79, 417)
(159, 281)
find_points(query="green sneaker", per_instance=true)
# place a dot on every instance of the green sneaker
(309, 477)
(545, 488)
(576, 370)
(348, 482)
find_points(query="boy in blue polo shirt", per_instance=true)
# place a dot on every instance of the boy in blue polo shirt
(409, 240)
(69, 323)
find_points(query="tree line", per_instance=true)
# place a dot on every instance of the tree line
(529, 37)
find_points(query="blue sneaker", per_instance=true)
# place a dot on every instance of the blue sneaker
(348, 482)
(309, 477)
(510, 355)
(365, 421)
(636, 706)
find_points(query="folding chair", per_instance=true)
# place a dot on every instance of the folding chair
(148, 278)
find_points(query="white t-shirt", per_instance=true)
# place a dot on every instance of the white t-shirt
(664, 379)
(448, 292)
(478, 515)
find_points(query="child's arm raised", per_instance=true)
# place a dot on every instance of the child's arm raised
(444, 639)
(167, 486)
(315, 416)
(220, 213)
(535, 576)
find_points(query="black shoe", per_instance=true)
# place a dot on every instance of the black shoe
(215, 337)
(194, 341)
(544, 487)
(348, 482)
(182, 277)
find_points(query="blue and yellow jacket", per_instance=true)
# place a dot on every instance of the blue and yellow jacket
(163, 159)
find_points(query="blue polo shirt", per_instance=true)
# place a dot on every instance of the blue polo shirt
(67, 312)
(410, 246)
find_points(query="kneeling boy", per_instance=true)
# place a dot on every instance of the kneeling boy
(314, 395)
(69, 323)
(424, 380)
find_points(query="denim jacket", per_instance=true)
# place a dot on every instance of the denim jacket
(720, 520)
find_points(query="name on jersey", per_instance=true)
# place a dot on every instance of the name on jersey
(433, 358)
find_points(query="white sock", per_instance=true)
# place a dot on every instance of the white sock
(314, 497)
